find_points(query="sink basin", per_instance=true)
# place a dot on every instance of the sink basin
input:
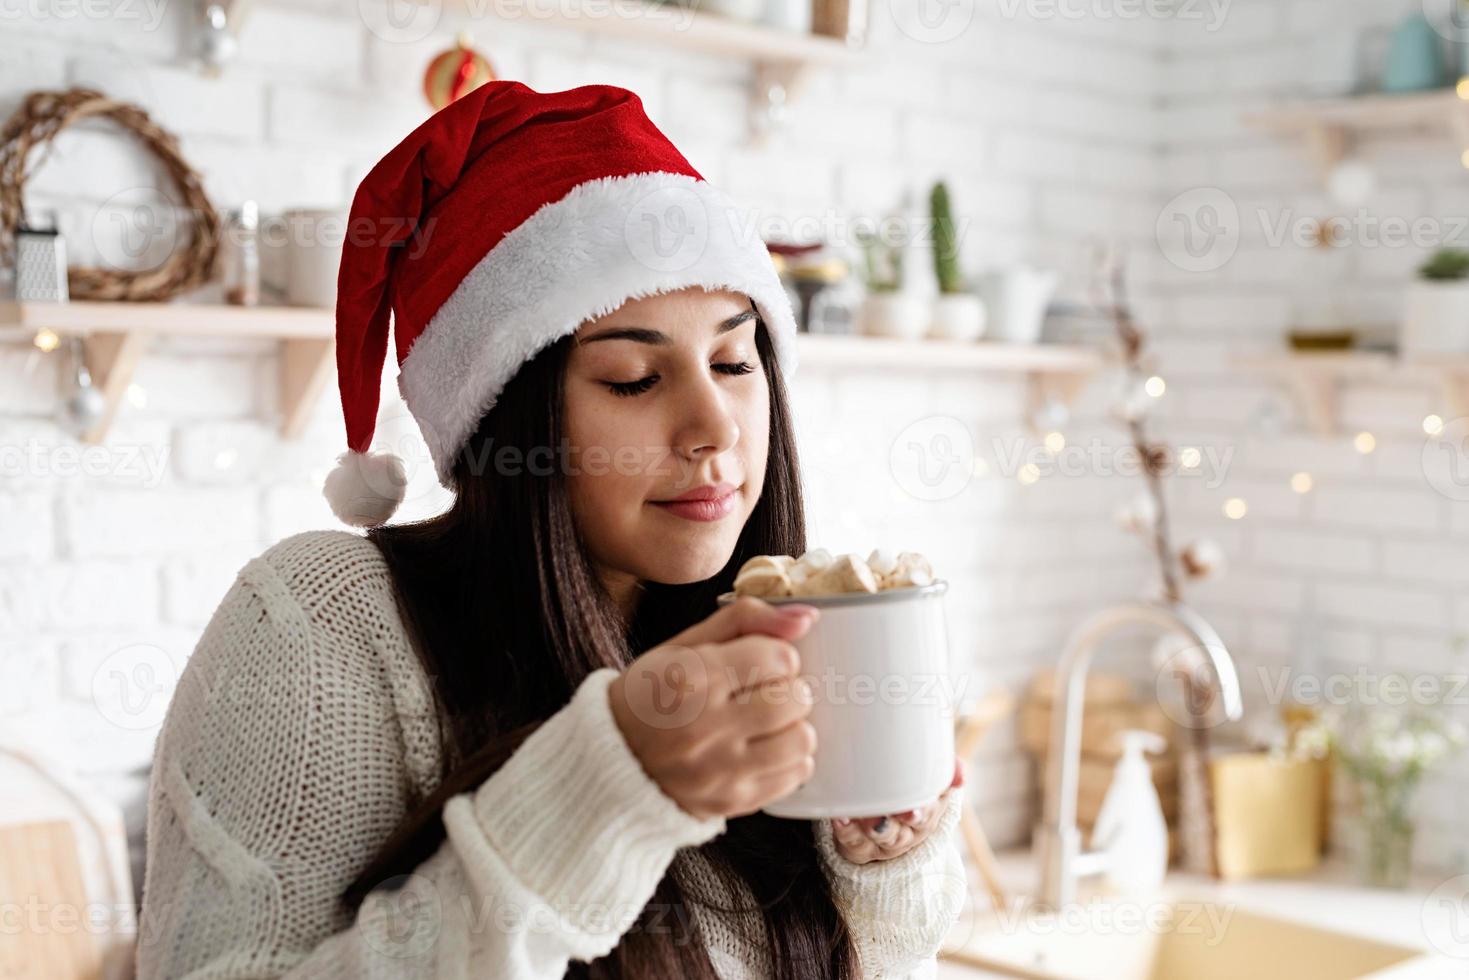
(1173, 939)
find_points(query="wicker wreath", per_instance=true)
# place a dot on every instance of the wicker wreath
(44, 114)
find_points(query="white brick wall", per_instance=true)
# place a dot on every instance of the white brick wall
(1362, 570)
(1048, 129)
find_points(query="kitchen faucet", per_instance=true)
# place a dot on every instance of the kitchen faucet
(1057, 844)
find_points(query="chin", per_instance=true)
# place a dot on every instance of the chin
(695, 564)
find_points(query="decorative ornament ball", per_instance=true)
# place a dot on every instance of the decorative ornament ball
(1202, 558)
(1133, 402)
(455, 73)
(1155, 590)
(85, 408)
(1351, 183)
(1054, 414)
(217, 48)
(1268, 418)
(1173, 655)
(1138, 515)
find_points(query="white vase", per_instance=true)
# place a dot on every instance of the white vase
(903, 316)
(1435, 318)
(1016, 299)
(748, 11)
(789, 15)
(957, 316)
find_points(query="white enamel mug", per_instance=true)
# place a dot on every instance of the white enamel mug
(878, 665)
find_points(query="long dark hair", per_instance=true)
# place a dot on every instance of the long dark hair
(509, 616)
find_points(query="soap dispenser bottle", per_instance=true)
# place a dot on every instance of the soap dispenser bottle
(1130, 829)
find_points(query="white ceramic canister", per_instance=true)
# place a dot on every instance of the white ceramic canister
(313, 255)
(878, 665)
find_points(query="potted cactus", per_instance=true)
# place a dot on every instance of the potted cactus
(1436, 313)
(888, 310)
(958, 313)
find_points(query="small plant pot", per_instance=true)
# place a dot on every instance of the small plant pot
(1435, 318)
(903, 316)
(957, 316)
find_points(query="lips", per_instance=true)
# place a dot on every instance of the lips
(707, 503)
(711, 491)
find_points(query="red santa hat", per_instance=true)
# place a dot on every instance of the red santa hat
(498, 226)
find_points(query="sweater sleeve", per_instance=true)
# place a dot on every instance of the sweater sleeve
(901, 909)
(280, 769)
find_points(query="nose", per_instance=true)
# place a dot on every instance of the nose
(706, 424)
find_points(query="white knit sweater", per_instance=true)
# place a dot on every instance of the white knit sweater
(303, 728)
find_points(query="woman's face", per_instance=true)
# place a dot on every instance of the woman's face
(663, 397)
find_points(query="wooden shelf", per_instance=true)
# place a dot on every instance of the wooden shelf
(114, 337)
(1053, 372)
(847, 350)
(176, 319)
(1380, 111)
(681, 26)
(1317, 376)
(1330, 125)
(781, 58)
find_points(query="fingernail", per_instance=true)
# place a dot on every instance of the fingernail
(842, 822)
(798, 611)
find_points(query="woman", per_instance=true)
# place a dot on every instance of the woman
(519, 740)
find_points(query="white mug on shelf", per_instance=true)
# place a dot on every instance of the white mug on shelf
(1016, 299)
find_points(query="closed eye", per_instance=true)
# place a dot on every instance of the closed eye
(627, 389)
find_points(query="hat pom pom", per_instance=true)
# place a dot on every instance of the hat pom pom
(365, 488)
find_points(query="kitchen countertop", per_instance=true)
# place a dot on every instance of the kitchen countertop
(1328, 898)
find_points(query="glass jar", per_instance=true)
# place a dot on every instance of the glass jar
(1385, 833)
(241, 256)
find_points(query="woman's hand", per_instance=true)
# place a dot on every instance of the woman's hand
(883, 838)
(717, 715)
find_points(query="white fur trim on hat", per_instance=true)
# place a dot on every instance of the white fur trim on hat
(365, 488)
(606, 242)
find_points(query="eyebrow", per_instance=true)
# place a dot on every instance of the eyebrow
(646, 335)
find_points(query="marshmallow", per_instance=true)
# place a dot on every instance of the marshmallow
(767, 583)
(847, 573)
(816, 560)
(883, 563)
(775, 563)
(818, 572)
(764, 576)
(912, 570)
